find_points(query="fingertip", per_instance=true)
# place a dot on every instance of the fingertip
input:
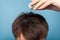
(29, 6)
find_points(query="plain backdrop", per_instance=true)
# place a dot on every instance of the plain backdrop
(10, 9)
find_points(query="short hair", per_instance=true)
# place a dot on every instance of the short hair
(33, 26)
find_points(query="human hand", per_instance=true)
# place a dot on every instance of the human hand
(45, 4)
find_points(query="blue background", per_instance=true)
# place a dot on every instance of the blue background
(10, 9)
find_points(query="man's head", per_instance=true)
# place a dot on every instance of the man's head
(30, 26)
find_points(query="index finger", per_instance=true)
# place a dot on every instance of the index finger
(34, 2)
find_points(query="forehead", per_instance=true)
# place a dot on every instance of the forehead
(21, 37)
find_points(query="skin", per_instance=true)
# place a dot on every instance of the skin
(21, 37)
(46, 4)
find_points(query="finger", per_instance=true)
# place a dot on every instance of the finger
(30, 6)
(34, 2)
(45, 5)
(39, 4)
(52, 7)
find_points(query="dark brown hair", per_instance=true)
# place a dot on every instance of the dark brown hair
(33, 26)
